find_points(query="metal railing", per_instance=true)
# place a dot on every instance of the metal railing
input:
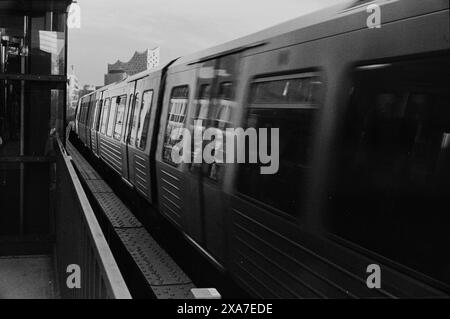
(85, 265)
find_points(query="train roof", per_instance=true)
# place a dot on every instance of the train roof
(257, 38)
(326, 17)
(143, 74)
(320, 17)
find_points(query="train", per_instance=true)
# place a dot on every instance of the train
(359, 206)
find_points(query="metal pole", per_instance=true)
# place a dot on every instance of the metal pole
(22, 127)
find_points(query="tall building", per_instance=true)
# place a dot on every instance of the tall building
(73, 93)
(87, 88)
(140, 61)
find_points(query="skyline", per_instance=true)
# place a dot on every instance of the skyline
(113, 30)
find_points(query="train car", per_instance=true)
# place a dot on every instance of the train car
(117, 122)
(137, 143)
(82, 118)
(363, 173)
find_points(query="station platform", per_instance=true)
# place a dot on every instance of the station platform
(147, 265)
(73, 259)
(27, 277)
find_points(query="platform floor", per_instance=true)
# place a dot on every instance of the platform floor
(27, 277)
(161, 273)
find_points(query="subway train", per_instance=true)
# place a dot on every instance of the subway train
(359, 206)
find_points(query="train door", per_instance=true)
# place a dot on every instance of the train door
(77, 116)
(92, 111)
(96, 124)
(124, 145)
(90, 120)
(173, 190)
(213, 108)
(138, 138)
(86, 120)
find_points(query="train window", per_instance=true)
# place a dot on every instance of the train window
(226, 91)
(200, 114)
(276, 103)
(121, 102)
(112, 116)
(85, 113)
(134, 120)
(80, 117)
(105, 114)
(130, 117)
(179, 100)
(221, 111)
(82, 113)
(92, 106)
(99, 113)
(288, 91)
(219, 117)
(202, 104)
(144, 119)
(392, 183)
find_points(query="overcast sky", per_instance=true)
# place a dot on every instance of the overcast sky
(114, 29)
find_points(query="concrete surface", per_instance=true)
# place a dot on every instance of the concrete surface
(27, 277)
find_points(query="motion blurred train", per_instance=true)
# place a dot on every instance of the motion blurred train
(360, 205)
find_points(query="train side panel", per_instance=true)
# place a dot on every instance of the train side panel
(110, 137)
(287, 249)
(140, 128)
(172, 190)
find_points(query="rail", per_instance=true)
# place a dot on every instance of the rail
(85, 265)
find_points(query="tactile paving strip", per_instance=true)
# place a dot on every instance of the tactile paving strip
(173, 292)
(118, 214)
(98, 186)
(157, 266)
(83, 166)
(164, 276)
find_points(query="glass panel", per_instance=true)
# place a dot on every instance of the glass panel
(285, 189)
(202, 103)
(112, 117)
(99, 113)
(175, 122)
(12, 43)
(47, 44)
(287, 91)
(9, 198)
(393, 179)
(144, 119)
(134, 123)
(105, 115)
(43, 118)
(121, 102)
(10, 118)
(91, 114)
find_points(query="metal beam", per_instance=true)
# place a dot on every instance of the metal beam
(34, 77)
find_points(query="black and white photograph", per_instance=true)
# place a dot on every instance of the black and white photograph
(215, 158)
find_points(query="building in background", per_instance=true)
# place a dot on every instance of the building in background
(73, 94)
(140, 61)
(87, 88)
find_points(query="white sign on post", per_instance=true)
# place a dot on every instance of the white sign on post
(74, 16)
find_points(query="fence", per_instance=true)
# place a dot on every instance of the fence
(80, 243)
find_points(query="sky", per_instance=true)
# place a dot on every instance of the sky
(115, 29)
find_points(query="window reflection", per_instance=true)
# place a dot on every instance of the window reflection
(47, 44)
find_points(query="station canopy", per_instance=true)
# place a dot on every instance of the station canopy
(34, 5)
